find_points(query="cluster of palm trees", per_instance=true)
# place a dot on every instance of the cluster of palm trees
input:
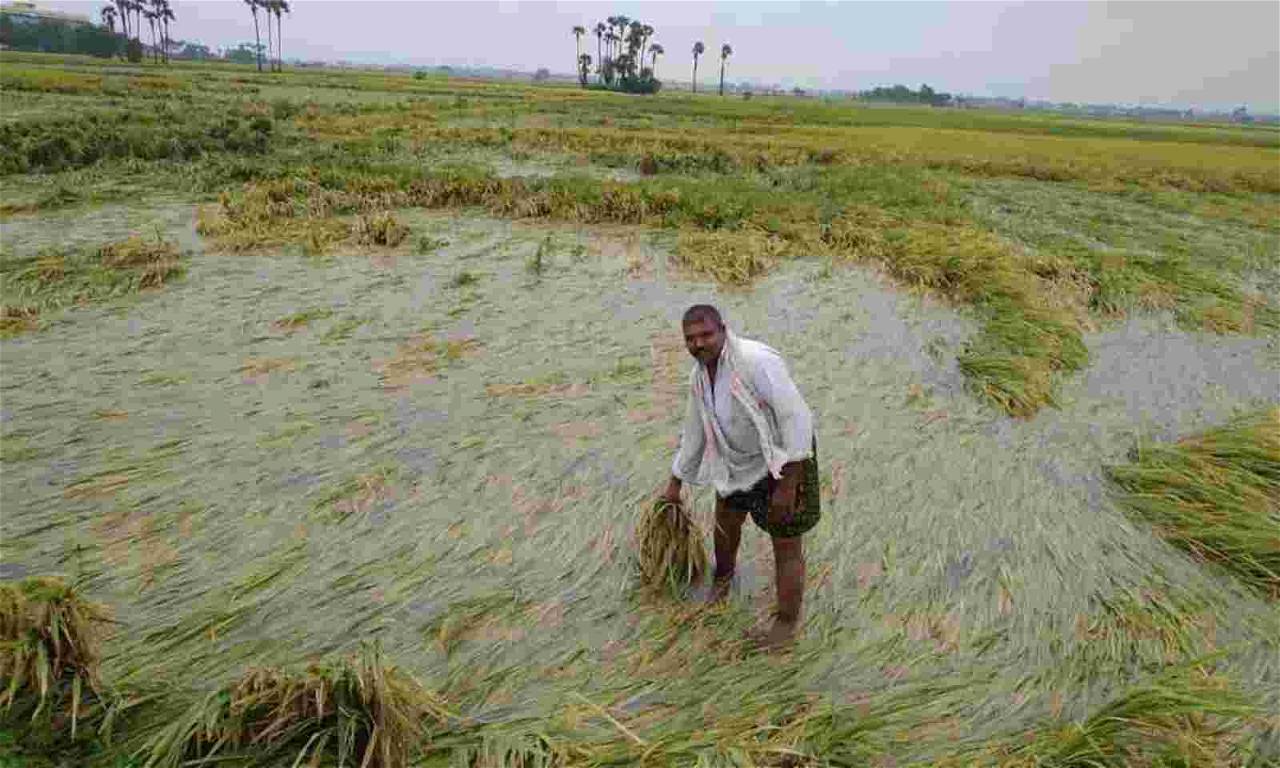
(130, 14)
(726, 51)
(278, 8)
(622, 44)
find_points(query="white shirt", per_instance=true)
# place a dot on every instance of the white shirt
(766, 372)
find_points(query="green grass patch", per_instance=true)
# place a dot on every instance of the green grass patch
(342, 329)
(357, 495)
(428, 244)
(15, 447)
(302, 318)
(163, 130)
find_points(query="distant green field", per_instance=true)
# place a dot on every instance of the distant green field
(297, 361)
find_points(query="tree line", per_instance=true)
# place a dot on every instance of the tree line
(120, 33)
(159, 13)
(24, 32)
(622, 45)
(900, 94)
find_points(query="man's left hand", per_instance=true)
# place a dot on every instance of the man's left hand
(782, 501)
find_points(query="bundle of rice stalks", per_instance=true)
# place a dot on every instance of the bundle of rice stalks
(49, 638)
(670, 547)
(356, 711)
(379, 229)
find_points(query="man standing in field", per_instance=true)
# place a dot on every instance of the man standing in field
(748, 431)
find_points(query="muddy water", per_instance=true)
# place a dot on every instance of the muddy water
(241, 490)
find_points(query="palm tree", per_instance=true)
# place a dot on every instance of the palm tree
(622, 22)
(584, 68)
(257, 36)
(611, 22)
(280, 7)
(121, 9)
(611, 64)
(725, 52)
(109, 20)
(165, 13)
(698, 50)
(151, 21)
(655, 51)
(646, 32)
(268, 8)
(578, 32)
(599, 30)
(137, 20)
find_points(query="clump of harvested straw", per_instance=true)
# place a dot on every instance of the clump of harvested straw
(670, 547)
(49, 638)
(355, 711)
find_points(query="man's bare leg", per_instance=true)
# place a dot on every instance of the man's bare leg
(788, 559)
(728, 534)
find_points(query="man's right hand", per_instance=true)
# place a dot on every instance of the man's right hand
(671, 493)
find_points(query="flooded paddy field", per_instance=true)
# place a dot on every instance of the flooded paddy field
(441, 443)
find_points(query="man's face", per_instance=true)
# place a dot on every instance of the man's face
(704, 338)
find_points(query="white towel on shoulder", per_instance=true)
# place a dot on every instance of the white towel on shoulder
(769, 423)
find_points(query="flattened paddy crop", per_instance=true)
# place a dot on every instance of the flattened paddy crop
(364, 482)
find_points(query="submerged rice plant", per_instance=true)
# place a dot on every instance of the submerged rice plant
(1215, 495)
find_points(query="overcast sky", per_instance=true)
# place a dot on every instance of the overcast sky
(1215, 54)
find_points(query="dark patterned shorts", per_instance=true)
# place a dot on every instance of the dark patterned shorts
(807, 510)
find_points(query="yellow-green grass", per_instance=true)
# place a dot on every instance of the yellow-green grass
(1215, 495)
(1108, 162)
(563, 99)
